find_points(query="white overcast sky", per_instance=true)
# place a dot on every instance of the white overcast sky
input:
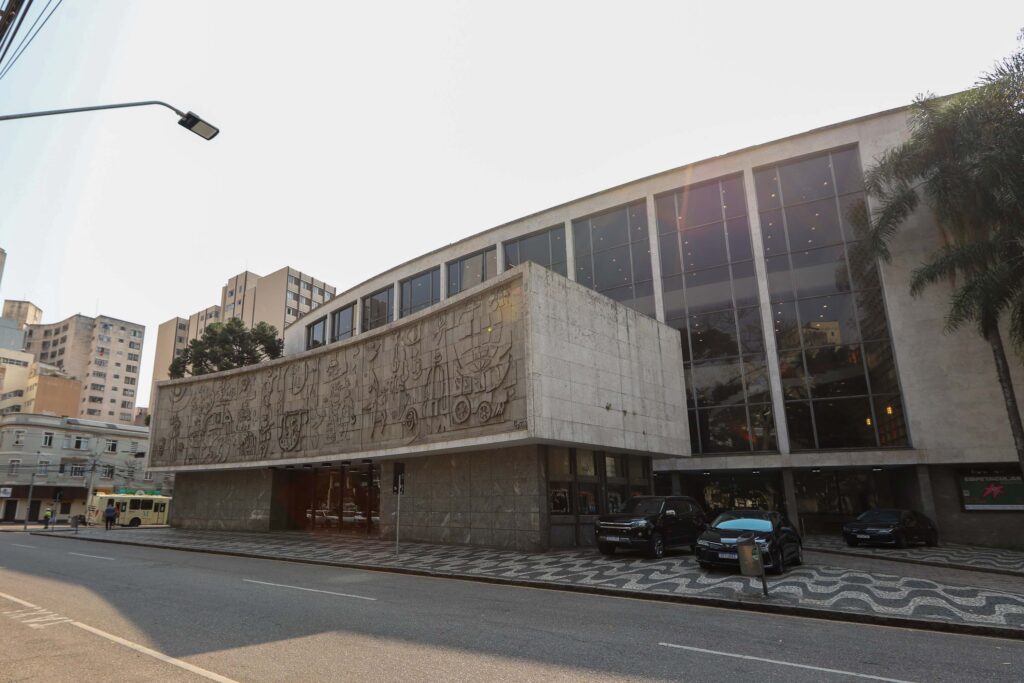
(357, 135)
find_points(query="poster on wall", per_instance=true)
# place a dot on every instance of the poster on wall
(992, 492)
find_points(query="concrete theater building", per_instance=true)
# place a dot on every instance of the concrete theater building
(710, 330)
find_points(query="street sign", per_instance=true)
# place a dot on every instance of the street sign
(398, 478)
(5, 492)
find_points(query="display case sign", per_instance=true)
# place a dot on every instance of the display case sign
(992, 491)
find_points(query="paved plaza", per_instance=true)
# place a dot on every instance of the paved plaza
(810, 587)
(945, 555)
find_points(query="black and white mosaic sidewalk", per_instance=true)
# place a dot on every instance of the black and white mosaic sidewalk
(832, 589)
(944, 555)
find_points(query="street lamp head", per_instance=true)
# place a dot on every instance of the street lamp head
(198, 126)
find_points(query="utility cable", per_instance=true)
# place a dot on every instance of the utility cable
(11, 36)
(30, 39)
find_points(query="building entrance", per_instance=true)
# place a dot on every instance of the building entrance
(33, 510)
(336, 499)
(10, 510)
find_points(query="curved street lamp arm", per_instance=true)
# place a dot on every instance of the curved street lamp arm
(28, 115)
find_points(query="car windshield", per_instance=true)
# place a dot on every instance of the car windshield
(644, 506)
(732, 522)
(880, 516)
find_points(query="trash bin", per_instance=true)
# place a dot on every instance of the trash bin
(751, 563)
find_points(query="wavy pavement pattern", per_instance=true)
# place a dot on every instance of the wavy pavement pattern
(822, 587)
(948, 553)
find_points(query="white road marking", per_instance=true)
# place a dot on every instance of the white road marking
(41, 618)
(24, 546)
(98, 557)
(781, 663)
(311, 590)
(156, 655)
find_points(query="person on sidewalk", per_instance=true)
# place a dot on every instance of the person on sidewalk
(46, 518)
(110, 515)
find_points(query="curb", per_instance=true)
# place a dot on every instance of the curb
(724, 603)
(924, 563)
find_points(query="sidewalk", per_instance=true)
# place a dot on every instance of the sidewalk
(949, 555)
(816, 591)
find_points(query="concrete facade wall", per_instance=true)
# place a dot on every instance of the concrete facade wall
(602, 374)
(239, 500)
(493, 497)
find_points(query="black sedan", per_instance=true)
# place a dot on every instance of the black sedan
(779, 542)
(899, 528)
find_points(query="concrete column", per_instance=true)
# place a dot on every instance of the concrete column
(789, 495)
(923, 477)
(444, 280)
(501, 257)
(357, 318)
(771, 350)
(570, 252)
(652, 237)
(396, 295)
(677, 484)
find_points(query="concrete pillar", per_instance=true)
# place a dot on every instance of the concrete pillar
(677, 484)
(396, 295)
(570, 252)
(357, 318)
(770, 348)
(444, 280)
(652, 237)
(789, 495)
(500, 257)
(924, 491)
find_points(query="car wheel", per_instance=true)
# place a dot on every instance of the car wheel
(706, 566)
(852, 542)
(799, 559)
(135, 522)
(778, 562)
(606, 548)
(901, 541)
(656, 548)
(933, 538)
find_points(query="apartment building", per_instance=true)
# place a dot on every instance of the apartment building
(25, 313)
(14, 373)
(278, 299)
(103, 353)
(58, 457)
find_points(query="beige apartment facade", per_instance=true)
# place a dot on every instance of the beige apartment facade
(277, 299)
(103, 353)
(23, 312)
(50, 391)
(15, 368)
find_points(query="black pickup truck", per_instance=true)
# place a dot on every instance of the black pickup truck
(651, 524)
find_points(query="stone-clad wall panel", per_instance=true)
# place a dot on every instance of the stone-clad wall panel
(235, 500)
(457, 373)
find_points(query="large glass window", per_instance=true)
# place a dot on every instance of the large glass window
(586, 482)
(613, 256)
(421, 291)
(546, 248)
(469, 271)
(378, 308)
(710, 291)
(316, 333)
(342, 323)
(835, 351)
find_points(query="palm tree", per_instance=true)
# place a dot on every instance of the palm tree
(965, 160)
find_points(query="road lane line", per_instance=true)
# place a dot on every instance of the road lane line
(181, 664)
(19, 601)
(781, 663)
(24, 546)
(98, 557)
(311, 590)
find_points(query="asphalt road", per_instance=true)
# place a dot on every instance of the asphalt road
(74, 611)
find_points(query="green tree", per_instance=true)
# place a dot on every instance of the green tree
(225, 346)
(964, 160)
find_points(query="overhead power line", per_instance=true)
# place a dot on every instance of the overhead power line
(29, 37)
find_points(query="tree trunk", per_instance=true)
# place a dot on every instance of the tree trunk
(1006, 383)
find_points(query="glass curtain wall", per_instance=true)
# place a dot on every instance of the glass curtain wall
(378, 308)
(342, 323)
(420, 291)
(710, 295)
(546, 248)
(613, 256)
(469, 271)
(835, 353)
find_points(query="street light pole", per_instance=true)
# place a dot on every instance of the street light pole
(189, 120)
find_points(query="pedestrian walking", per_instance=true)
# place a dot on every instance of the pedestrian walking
(110, 515)
(46, 518)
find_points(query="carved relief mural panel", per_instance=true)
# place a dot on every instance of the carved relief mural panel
(456, 374)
